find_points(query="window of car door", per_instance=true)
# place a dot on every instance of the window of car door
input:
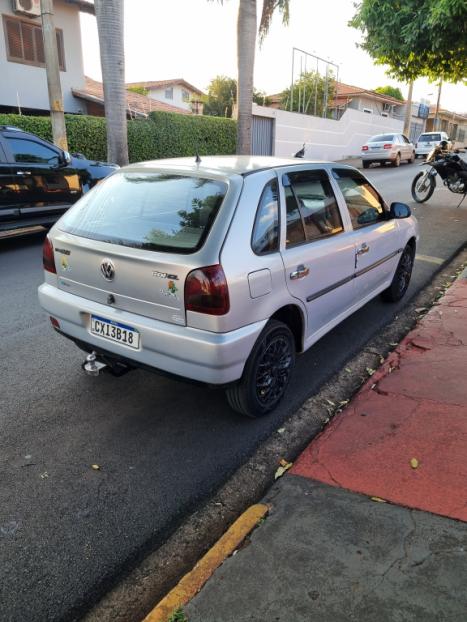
(365, 205)
(311, 207)
(265, 237)
(26, 151)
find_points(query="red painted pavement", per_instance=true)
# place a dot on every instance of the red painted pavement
(418, 409)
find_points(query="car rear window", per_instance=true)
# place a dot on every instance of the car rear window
(153, 211)
(428, 138)
(381, 138)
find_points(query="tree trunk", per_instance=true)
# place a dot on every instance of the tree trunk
(408, 111)
(109, 16)
(246, 43)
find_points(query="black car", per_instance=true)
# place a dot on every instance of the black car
(39, 181)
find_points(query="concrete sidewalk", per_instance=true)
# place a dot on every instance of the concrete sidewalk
(368, 525)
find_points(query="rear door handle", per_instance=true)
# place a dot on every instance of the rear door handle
(364, 248)
(300, 272)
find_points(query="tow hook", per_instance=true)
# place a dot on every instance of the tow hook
(92, 366)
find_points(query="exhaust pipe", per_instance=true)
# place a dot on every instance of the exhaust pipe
(92, 366)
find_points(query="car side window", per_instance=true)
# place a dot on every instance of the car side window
(265, 238)
(365, 205)
(29, 151)
(405, 139)
(312, 210)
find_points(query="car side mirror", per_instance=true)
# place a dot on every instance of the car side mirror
(65, 160)
(399, 210)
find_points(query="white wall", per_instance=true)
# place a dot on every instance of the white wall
(159, 95)
(31, 82)
(325, 139)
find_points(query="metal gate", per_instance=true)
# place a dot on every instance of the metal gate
(262, 136)
(415, 130)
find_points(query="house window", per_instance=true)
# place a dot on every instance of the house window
(185, 95)
(24, 43)
(169, 93)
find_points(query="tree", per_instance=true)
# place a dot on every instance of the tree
(109, 16)
(246, 44)
(311, 92)
(221, 97)
(415, 38)
(392, 91)
(141, 90)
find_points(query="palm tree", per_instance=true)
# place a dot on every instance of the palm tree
(109, 16)
(246, 44)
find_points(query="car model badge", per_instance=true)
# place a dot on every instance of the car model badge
(107, 269)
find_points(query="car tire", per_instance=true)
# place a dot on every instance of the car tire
(401, 278)
(267, 372)
(366, 164)
(397, 160)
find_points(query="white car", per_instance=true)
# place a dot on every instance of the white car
(428, 140)
(221, 271)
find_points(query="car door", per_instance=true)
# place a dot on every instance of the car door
(9, 208)
(317, 250)
(43, 185)
(376, 236)
(408, 149)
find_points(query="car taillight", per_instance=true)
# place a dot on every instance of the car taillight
(387, 146)
(365, 148)
(206, 291)
(48, 260)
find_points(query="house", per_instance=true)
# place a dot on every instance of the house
(365, 100)
(23, 82)
(357, 98)
(453, 123)
(91, 96)
(176, 92)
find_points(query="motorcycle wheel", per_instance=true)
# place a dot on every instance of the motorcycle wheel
(423, 193)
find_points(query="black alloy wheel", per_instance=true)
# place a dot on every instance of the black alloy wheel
(267, 372)
(273, 370)
(402, 276)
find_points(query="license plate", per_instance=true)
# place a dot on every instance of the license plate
(114, 331)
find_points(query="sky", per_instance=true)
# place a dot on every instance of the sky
(196, 40)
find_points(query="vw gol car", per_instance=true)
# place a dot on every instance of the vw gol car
(221, 271)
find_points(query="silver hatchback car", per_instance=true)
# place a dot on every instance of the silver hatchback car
(220, 271)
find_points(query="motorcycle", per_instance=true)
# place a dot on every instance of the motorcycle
(449, 166)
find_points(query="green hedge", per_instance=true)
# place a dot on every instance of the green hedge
(162, 135)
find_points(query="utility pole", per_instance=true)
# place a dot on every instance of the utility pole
(53, 75)
(436, 119)
(408, 110)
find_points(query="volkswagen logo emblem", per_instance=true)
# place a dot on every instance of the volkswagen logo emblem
(107, 269)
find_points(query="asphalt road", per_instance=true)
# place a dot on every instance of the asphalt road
(67, 532)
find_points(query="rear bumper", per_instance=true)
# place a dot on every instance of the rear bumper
(212, 358)
(387, 156)
(422, 150)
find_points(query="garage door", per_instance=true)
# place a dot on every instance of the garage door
(262, 136)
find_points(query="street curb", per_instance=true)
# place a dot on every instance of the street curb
(194, 580)
(153, 576)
